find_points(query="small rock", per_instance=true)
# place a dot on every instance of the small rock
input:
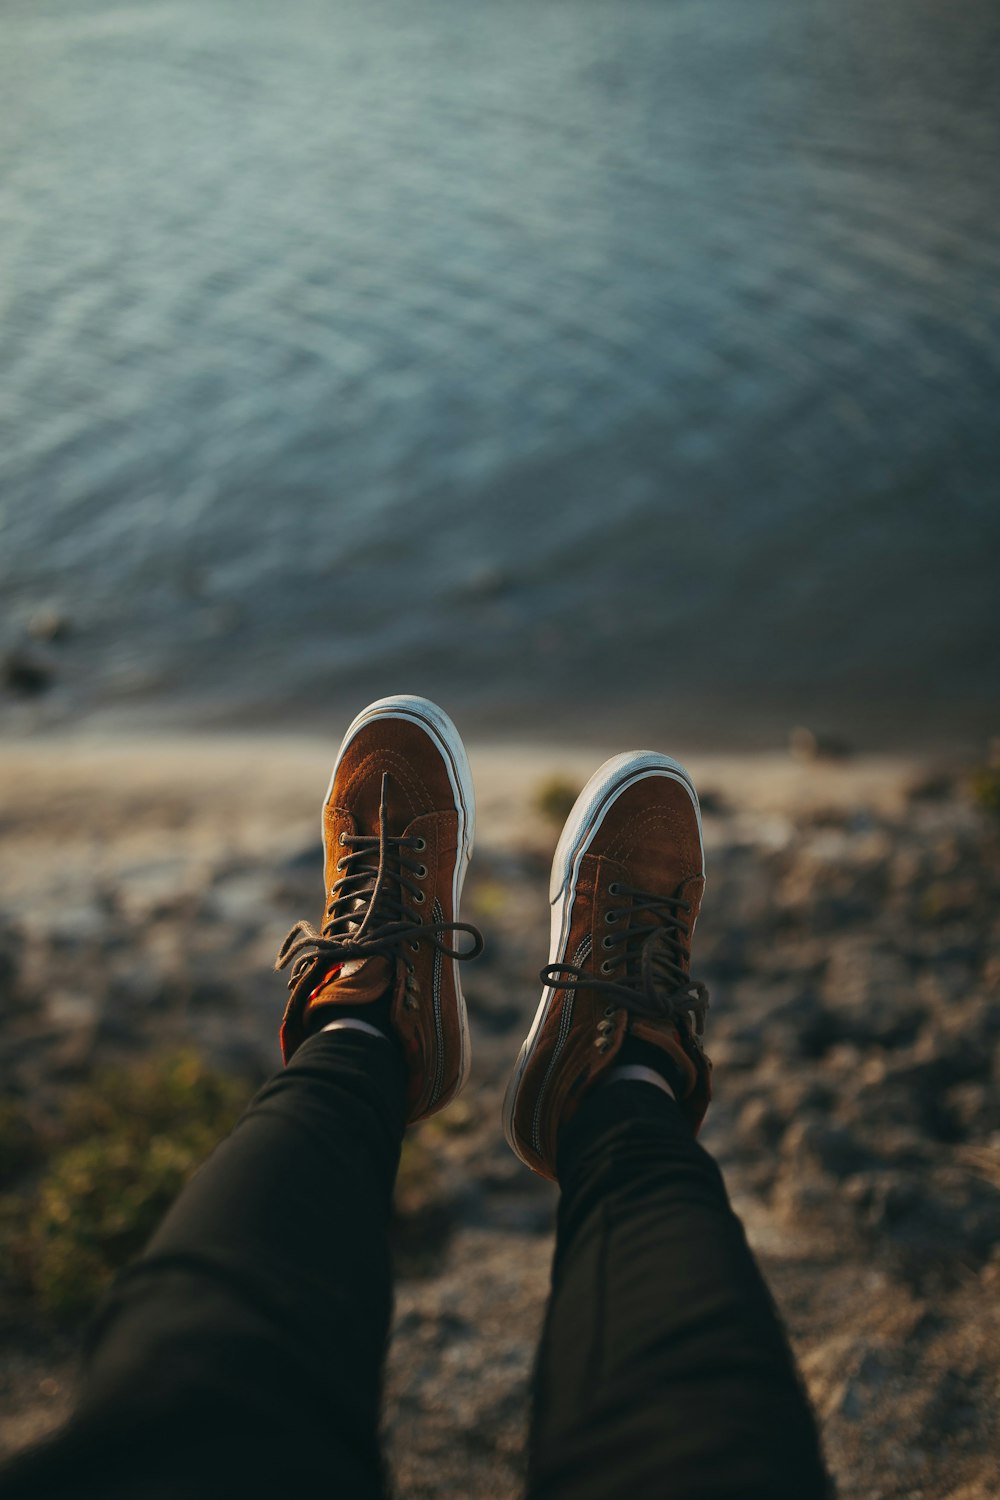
(933, 786)
(75, 927)
(974, 1107)
(935, 1224)
(863, 1386)
(759, 1125)
(486, 582)
(26, 673)
(305, 859)
(831, 1147)
(67, 1009)
(49, 625)
(735, 1054)
(806, 745)
(242, 898)
(826, 817)
(713, 804)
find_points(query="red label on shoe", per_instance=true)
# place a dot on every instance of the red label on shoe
(330, 974)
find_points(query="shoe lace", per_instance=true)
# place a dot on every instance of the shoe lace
(652, 978)
(366, 914)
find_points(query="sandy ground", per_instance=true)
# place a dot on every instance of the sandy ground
(849, 938)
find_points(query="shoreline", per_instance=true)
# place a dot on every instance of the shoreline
(85, 802)
(76, 805)
(768, 777)
(946, 732)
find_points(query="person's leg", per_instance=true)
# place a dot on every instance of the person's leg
(663, 1368)
(241, 1354)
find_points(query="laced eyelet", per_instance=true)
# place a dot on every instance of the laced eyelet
(342, 841)
(414, 947)
(420, 872)
(419, 898)
(420, 845)
(610, 918)
(606, 967)
(614, 888)
(609, 1011)
(340, 866)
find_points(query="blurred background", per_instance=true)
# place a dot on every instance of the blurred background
(548, 359)
(608, 371)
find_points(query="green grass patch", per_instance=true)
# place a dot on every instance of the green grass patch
(423, 1208)
(554, 798)
(984, 789)
(489, 898)
(127, 1144)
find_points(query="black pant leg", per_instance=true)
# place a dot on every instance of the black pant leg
(663, 1369)
(242, 1353)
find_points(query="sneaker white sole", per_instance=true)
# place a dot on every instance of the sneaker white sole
(588, 813)
(439, 728)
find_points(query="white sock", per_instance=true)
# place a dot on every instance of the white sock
(639, 1073)
(352, 1023)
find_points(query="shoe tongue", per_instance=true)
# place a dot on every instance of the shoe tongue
(355, 982)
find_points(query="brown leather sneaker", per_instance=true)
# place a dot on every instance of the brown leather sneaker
(398, 824)
(627, 881)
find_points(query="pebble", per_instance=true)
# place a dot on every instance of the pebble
(26, 673)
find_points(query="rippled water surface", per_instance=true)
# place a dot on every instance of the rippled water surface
(557, 359)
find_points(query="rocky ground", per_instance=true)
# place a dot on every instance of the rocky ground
(849, 939)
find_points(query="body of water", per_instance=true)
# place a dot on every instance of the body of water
(572, 362)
